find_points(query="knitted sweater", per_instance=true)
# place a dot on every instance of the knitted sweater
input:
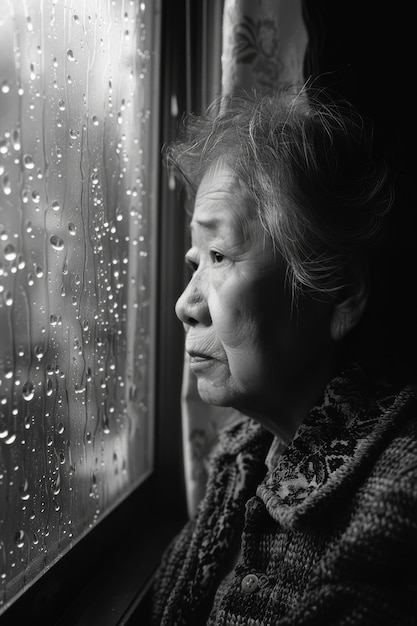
(328, 536)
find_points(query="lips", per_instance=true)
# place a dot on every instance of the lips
(198, 357)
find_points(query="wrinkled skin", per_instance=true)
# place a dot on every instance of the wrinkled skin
(249, 347)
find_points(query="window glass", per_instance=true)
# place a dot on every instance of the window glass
(78, 115)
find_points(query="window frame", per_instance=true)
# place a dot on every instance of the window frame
(105, 576)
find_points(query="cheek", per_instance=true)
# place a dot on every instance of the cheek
(232, 318)
(245, 312)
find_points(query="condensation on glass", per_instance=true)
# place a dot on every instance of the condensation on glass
(77, 252)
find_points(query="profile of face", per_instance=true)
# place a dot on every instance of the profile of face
(249, 346)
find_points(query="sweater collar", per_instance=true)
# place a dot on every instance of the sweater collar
(338, 442)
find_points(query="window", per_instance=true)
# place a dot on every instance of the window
(79, 159)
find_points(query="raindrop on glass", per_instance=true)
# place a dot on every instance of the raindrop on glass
(56, 242)
(20, 538)
(7, 189)
(9, 252)
(28, 391)
(10, 439)
(24, 491)
(28, 162)
(16, 139)
(39, 352)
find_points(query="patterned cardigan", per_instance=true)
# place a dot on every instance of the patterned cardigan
(328, 536)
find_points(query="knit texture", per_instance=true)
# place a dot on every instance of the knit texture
(329, 534)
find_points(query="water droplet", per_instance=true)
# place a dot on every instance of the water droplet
(8, 298)
(38, 271)
(28, 162)
(36, 197)
(70, 55)
(7, 189)
(56, 242)
(76, 19)
(5, 87)
(57, 485)
(24, 491)
(21, 263)
(55, 205)
(71, 228)
(16, 139)
(95, 120)
(4, 146)
(20, 538)
(61, 105)
(28, 391)
(49, 387)
(9, 252)
(39, 352)
(10, 439)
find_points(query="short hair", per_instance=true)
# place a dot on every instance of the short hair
(308, 167)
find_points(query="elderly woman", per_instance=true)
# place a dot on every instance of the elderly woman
(310, 510)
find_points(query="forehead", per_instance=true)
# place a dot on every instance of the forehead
(220, 201)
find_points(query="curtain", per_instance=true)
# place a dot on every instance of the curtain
(263, 47)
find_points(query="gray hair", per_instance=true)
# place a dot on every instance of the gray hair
(306, 165)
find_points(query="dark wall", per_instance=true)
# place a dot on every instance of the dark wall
(364, 51)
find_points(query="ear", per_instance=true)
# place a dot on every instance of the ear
(350, 304)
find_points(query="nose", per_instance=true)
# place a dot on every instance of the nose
(192, 307)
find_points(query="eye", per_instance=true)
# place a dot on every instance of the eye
(216, 257)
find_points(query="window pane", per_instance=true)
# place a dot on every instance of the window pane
(78, 112)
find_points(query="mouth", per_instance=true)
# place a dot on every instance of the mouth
(198, 357)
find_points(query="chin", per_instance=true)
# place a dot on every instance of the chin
(216, 396)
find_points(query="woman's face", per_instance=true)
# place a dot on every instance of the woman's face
(249, 347)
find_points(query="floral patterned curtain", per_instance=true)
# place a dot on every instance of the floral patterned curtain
(264, 44)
